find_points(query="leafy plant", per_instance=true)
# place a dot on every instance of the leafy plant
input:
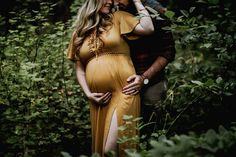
(43, 110)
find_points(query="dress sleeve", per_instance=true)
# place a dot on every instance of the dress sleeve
(127, 22)
(71, 50)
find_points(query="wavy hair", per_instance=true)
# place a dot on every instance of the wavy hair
(88, 19)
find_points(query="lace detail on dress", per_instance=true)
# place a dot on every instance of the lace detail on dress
(95, 43)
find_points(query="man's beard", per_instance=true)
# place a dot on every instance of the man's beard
(120, 7)
(130, 7)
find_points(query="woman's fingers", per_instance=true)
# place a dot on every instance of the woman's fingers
(98, 94)
(106, 98)
(102, 98)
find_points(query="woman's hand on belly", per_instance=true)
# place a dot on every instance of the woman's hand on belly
(100, 98)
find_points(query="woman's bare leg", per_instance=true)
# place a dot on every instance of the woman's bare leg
(111, 143)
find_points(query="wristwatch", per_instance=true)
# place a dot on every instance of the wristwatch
(145, 79)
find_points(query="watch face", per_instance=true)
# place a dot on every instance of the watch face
(145, 81)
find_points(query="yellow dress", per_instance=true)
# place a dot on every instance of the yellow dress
(108, 73)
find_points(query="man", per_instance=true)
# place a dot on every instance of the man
(150, 55)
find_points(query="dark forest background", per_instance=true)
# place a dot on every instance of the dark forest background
(44, 113)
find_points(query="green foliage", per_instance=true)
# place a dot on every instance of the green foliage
(42, 107)
(44, 111)
(209, 144)
(202, 77)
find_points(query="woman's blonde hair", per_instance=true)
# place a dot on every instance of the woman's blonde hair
(88, 19)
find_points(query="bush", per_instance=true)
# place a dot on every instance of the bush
(43, 110)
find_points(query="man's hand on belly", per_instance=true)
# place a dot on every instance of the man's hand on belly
(135, 83)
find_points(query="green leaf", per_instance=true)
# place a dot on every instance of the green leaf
(185, 13)
(95, 155)
(127, 117)
(222, 130)
(213, 1)
(122, 128)
(192, 9)
(197, 82)
(65, 154)
(207, 45)
(137, 119)
(219, 80)
(169, 14)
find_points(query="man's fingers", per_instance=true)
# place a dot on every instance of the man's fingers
(131, 88)
(136, 92)
(136, 81)
(132, 92)
(130, 78)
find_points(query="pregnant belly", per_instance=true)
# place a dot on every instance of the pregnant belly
(108, 73)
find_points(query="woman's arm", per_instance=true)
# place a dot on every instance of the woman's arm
(80, 74)
(145, 26)
(100, 98)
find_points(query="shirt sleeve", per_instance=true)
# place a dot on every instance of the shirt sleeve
(71, 50)
(166, 41)
(155, 5)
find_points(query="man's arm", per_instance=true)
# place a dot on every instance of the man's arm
(137, 81)
(167, 54)
(155, 5)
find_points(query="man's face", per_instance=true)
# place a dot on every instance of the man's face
(122, 4)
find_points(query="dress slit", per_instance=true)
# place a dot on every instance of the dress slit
(115, 129)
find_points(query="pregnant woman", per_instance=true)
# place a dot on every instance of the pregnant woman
(102, 57)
